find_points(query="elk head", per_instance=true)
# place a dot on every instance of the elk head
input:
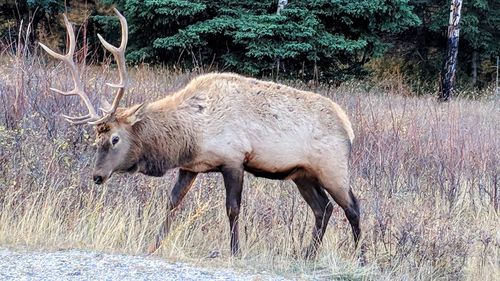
(114, 145)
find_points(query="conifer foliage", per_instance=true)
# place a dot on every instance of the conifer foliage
(325, 40)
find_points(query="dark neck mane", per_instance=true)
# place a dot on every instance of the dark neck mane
(165, 141)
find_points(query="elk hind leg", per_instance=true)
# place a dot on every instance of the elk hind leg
(337, 185)
(322, 208)
(233, 181)
(352, 213)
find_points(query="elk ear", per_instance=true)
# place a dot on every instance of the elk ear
(135, 114)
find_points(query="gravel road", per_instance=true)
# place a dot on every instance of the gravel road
(87, 265)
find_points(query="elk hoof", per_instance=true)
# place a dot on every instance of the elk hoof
(213, 254)
(153, 248)
(310, 253)
(362, 260)
(362, 255)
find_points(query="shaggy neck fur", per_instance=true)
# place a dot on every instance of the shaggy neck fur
(164, 140)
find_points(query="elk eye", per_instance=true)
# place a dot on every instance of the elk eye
(114, 140)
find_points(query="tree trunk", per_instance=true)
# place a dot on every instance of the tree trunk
(450, 65)
(281, 5)
(497, 93)
(474, 68)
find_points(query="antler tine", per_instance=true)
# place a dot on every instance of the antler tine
(80, 119)
(119, 55)
(78, 87)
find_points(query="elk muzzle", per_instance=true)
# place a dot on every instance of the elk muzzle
(100, 175)
(98, 179)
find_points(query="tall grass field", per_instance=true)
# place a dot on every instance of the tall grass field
(426, 174)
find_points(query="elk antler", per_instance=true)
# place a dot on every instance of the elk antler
(119, 55)
(78, 87)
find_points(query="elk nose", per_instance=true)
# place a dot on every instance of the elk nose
(98, 179)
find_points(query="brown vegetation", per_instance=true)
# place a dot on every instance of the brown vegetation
(426, 174)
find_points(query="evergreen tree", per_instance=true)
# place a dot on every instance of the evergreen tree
(481, 33)
(31, 11)
(327, 40)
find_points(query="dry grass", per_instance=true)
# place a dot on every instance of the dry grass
(426, 173)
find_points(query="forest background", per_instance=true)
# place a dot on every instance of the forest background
(320, 41)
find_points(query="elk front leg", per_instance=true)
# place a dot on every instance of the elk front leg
(185, 180)
(233, 181)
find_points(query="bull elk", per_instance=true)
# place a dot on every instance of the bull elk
(227, 123)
